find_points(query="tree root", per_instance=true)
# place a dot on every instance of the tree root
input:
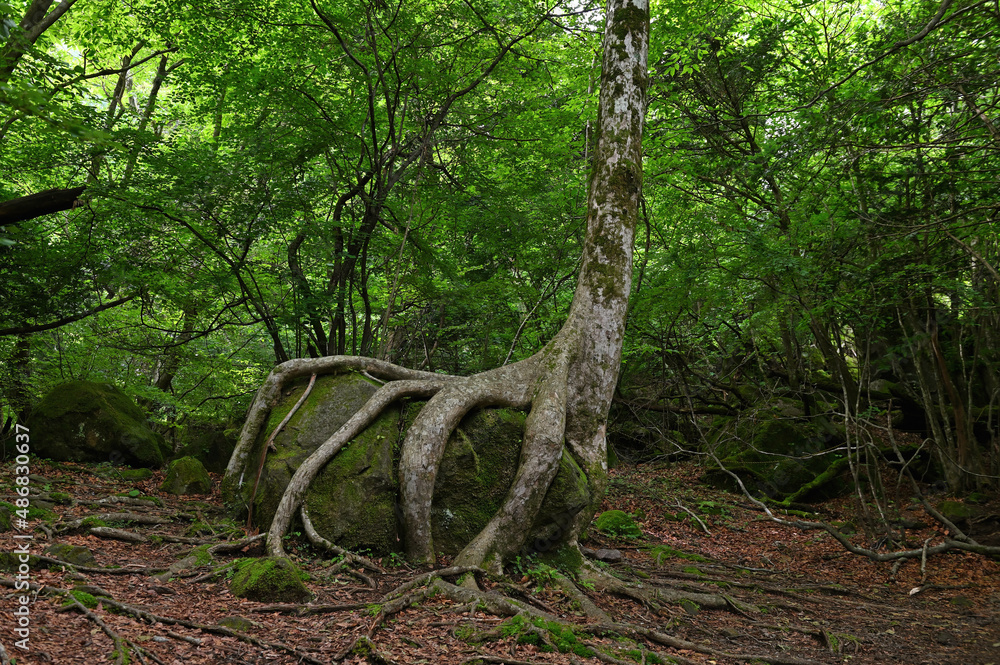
(310, 468)
(307, 609)
(653, 596)
(592, 611)
(121, 645)
(540, 382)
(96, 569)
(136, 518)
(118, 534)
(217, 630)
(500, 605)
(349, 558)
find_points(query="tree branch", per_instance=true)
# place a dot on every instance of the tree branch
(24, 330)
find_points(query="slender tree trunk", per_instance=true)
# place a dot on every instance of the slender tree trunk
(37, 19)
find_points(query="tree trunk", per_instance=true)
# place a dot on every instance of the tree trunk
(568, 385)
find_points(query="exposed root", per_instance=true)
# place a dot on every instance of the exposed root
(504, 606)
(234, 546)
(519, 385)
(136, 518)
(484, 658)
(270, 391)
(678, 643)
(310, 468)
(118, 534)
(215, 572)
(349, 558)
(592, 611)
(269, 445)
(121, 651)
(306, 609)
(651, 596)
(96, 569)
(217, 630)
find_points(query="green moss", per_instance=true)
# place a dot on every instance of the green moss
(202, 555)
(480, 461)
(73, 554)
(82, 421)
(89, 522)
(662, 552)
(186, 475)
(617, 524)
(84, 598)
(241, 624)
(34, 512)
(956, 511)
(198, 529)
(268, 580)
(135, 475)
(547, 635)
(567, 559)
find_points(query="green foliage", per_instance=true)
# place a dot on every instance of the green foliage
(818, 206)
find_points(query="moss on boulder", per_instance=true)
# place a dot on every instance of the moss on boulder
(268, 580)
(617, 524)
(354, 501)
(211, 444)
(187, 475)
(780, 458)
(82, 421)
(74, 554)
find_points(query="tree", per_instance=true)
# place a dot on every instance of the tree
(568, 384)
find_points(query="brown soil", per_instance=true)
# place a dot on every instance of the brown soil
(798, 596)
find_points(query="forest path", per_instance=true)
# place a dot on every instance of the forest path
(795, 596)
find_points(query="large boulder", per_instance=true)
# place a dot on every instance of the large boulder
(780, 457)
(354, 502)
(210, 443)
(187, 475)
(82, 421)
(268, 581)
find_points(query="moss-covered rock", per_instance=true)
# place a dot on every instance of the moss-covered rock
(268, 580)
(956, 511)
(212, 445)
(74, 554)
(354, 500)
(187, 475)
(617, 524)
(82, 421)
(779, 458)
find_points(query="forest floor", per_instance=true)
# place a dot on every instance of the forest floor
(798, 597)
